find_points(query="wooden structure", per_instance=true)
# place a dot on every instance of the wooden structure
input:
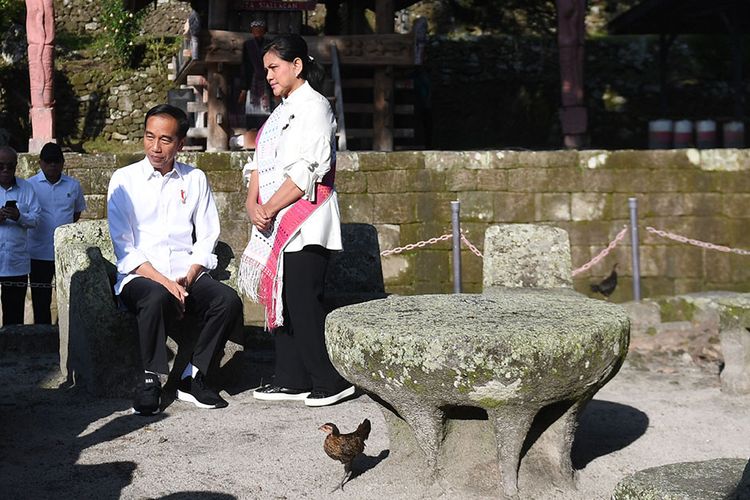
(670, 18)
(361, 64)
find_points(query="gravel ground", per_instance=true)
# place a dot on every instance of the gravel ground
(56, 442)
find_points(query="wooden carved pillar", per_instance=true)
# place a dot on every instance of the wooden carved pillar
(40, 35)
(383, 89)
(570, 37)
(218, 117)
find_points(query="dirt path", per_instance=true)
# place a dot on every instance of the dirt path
(60, 443)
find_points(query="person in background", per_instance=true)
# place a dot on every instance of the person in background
(293, 207)
(19, 211)
(164, 226)
(192, 29)
(255, 96)
(61, 200)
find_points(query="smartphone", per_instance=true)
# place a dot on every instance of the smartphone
(10, 203)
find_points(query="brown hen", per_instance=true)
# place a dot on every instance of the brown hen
(345, 447)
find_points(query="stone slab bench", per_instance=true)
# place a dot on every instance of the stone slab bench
(718, 479)
(531, 359)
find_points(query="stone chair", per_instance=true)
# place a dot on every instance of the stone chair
(98, 344)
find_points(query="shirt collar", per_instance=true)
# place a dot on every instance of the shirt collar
(13, 184)
(298, 95)
(43, 178)
(148, 170)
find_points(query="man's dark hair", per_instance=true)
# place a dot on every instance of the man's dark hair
(167, 109)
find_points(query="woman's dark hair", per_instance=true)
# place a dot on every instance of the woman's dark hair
(167, 109)
(290, 46)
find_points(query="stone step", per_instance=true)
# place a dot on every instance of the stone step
(29, 338)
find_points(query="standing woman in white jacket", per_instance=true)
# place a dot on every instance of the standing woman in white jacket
(294, 210)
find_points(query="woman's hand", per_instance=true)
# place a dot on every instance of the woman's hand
(260, 217)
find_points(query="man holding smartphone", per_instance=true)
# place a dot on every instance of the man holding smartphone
(20, 211)
(61, 200)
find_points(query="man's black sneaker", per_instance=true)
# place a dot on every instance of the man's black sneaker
(271, 392)
(195, 390)
(321, 398)
(148, 397)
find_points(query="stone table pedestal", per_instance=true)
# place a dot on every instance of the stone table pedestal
(531, 359)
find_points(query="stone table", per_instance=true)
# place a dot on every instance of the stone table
(530, 358)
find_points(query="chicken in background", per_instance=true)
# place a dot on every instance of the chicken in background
(608, 284)
(345, 447)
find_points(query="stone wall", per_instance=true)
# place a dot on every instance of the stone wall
(406, 195)
(83, 16)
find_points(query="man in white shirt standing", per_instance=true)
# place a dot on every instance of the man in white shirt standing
(19, 211)
(62, 202)
(164, 226)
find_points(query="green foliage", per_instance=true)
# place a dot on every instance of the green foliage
(121, 27)
(511, 17)
(13, 11)
(158, 50)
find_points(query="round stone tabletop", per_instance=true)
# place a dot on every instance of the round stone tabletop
(542, 340)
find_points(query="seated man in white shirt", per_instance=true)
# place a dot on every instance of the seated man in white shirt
(19, 211)
(62, 202)
(164, 226)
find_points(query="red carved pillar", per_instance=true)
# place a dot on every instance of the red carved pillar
(570, 37)
(40, 35)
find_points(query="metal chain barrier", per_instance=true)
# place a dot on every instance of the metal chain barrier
(471, 247)
(30, 285)
(412, 246)
(697, 243)
(603, 253)
(431, 241)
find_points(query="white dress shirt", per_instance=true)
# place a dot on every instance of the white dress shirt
(306, 151)
(153, 218)
(14, 252)
(59, 202)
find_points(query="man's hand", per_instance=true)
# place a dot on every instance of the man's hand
(10, 213)
(192, 274)
(177, 290)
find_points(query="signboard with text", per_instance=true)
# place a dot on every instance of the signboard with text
(271, 5)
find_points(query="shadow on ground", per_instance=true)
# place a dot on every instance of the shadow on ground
(605, 427)
(34, 465)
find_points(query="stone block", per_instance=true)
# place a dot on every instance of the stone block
(732, 182)
(706, 480)
(100, 181)
(394, 208)
(477, 206)
(600, 180)
(355, 275)
(96, 206)
(373, 160)
(545, 180)
(513, 207)
(548, 159)
(29, 338)
(447, 160)
(226, 181)
(734, 333)
(435, 207)
(725, 160)
(85, 161)
(735, 204)
(351, 182)
(405, 160)
(356, 207)
(492, 180)
(231, 206)
(550, 207)
(461, 180)
(526, 255)
(347, 161)
(123, 160)
(213, 161)
(82, 176)
(644, 316)
(397, 181)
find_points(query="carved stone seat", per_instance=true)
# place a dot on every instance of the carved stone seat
(98, 343)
